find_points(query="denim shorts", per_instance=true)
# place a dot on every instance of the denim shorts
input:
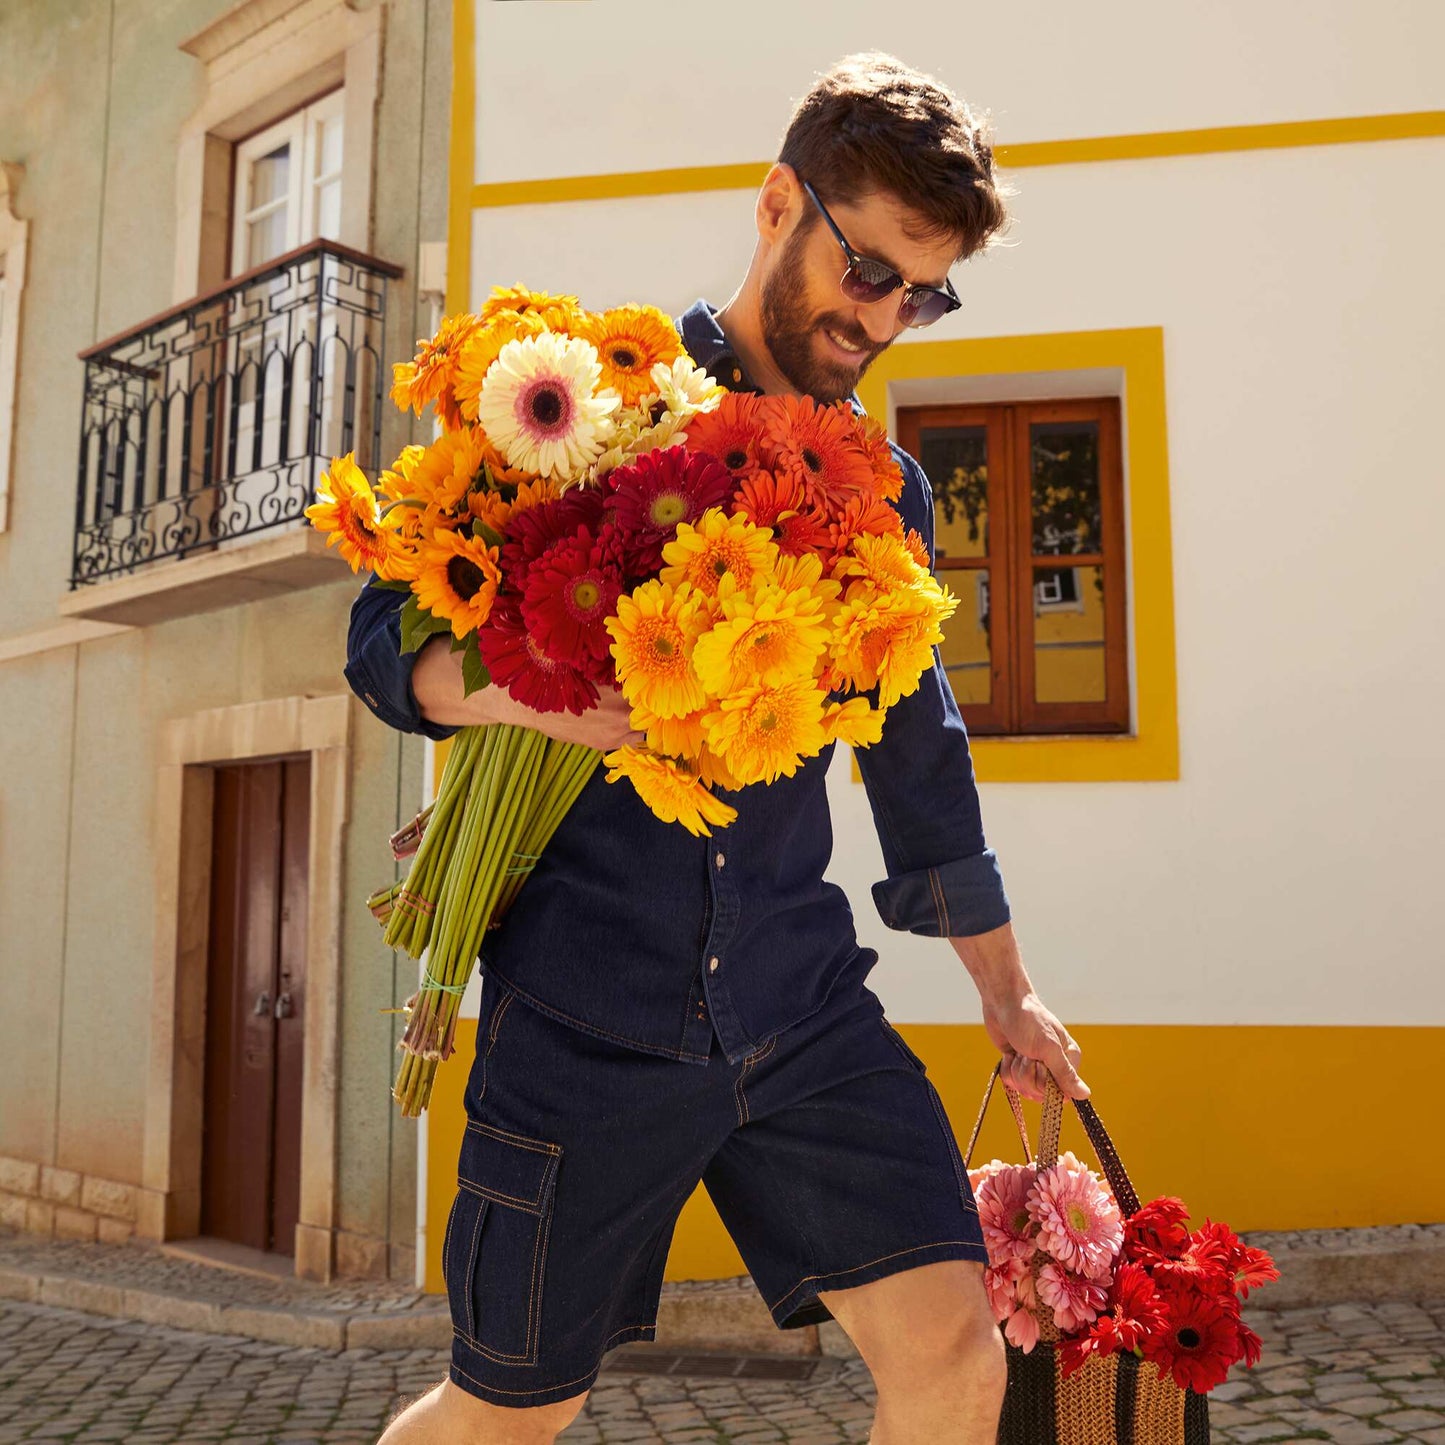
(826, 1152)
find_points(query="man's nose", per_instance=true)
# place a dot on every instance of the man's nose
(880, 318)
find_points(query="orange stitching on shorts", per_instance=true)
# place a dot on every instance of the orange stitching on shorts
(486, 1191)
(748, 1062)
(497, 1016)
(838, 1273)
(471, 1344)
(471, 1270)
(541, 1146)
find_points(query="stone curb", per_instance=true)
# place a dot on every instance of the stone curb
(1313, 1277)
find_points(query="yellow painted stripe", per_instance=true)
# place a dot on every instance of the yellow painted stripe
(1264, 1126)
(461, 164)
(1345, 130)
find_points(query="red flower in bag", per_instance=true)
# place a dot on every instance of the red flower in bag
(1156, 1231)
(1200, 1339)
(1246, 1267)
(1134, 1311)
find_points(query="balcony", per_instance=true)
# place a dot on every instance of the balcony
(204, 430)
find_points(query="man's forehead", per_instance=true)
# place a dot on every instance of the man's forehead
(892, 232)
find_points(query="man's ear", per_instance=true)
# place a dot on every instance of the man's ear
(779, 203)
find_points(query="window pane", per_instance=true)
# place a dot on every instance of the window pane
(328, 210)
(955, 460)
(965, 646)
(269, 176)
(328, 147)
(266, 237)
(1065, 464)
(1069, 634)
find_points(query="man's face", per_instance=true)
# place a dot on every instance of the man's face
(821, 341)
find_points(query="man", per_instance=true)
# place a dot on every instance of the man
(659, 1009)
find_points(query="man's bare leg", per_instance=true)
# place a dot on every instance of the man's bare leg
(935, 1353)
(448, 1415)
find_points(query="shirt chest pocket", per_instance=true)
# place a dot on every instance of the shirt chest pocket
(494, 1252)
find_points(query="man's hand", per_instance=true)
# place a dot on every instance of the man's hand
(1032, 1041)
(436, 682)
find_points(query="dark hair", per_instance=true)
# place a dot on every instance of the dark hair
(872, 123)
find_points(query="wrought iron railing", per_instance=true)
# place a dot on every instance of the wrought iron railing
(212, 421)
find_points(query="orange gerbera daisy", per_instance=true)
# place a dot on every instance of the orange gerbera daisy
(674, 737)
(457, 578)
(653, 636)
(430, 376)
(763, 497)
(886, 638)
(558, 313)
(346, 510)
(873, 436)
(883, 560)
(482, 348)
(718, 547)
(445, 474)
(862, 516)
(918, 548)
(768, 634)
(820, 447)
(674, 794)
(733, 433)
(630, 341)
(764, 733)
(854, 722)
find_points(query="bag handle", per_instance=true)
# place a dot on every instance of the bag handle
(1052, 1120)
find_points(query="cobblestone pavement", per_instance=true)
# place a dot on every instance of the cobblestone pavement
(1353, 1374)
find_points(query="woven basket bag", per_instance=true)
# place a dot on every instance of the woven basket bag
(1114, 1399)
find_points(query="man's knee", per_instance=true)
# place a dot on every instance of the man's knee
(450, 1415)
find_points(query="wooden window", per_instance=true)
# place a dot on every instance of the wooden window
(1029, 535)
(13, 235)
(288, 184)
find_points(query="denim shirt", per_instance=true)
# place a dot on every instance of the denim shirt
(633, 930)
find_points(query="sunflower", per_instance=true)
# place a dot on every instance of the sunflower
(674, 794)
(481, 349)
(445, 474)
(854, 722)
(516, 661)
(886, 639)
(764, 733)
(430, 376)
(653, 635)
(630, 341)
(457, 578)
(538, 406)
(768, 634)
(346, 510)
(718, 547)
(557, 313)
(819, 446)
(733, 433)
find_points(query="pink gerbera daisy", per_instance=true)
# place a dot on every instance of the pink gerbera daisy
(1009, 1230)
(1075, 1301)
(1078, 1222)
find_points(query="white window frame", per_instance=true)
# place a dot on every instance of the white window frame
(14, 234)
(301, 132)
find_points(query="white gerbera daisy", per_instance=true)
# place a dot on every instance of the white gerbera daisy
(541, 408)
(685, 388)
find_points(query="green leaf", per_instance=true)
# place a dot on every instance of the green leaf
(480, 529)
(458, 643)
(417, 624)
(474, 671)
(391, 585)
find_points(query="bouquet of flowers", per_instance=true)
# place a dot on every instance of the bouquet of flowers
(598, 513)
(1067, 1266)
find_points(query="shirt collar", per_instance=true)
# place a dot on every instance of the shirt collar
(708, 347)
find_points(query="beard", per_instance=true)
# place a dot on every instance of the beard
(790, 326)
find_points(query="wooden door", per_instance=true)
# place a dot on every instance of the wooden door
(255, 1004)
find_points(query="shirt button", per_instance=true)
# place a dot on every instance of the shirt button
(737, 375)
(712, 964)
(720, 860)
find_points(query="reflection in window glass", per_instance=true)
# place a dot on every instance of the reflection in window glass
(955, 460)
(1065, 465)
(1069, 634)
(965, 646)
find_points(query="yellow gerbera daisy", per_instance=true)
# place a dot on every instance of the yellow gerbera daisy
(674, 737)
(768, 634)
(714, 772)
(653, 636)
(673, 793)
(482, 348)
(457, 578)
(444, 475)
(764, 733)
(540, 408)
(886, 638)
(430, 375)
(718, 546)
(558, 313)
(854, 722)
(630, 341)
(883, 559)
(347, 512)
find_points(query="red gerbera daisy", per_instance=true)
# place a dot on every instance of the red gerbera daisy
(1157, 1231)
(531, 532)
(517, 663)
(818, 445)
(650, 496)
(732, 433)
(1200, 1338)
(1134, 1312)
(1216, 1246)
(570, 593)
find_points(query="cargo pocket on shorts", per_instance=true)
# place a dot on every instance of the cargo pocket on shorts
(494, 1253)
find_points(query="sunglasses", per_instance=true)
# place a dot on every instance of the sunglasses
(868, 280)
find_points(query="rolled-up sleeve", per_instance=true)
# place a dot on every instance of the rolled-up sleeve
(943, 880)
(377, 670)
